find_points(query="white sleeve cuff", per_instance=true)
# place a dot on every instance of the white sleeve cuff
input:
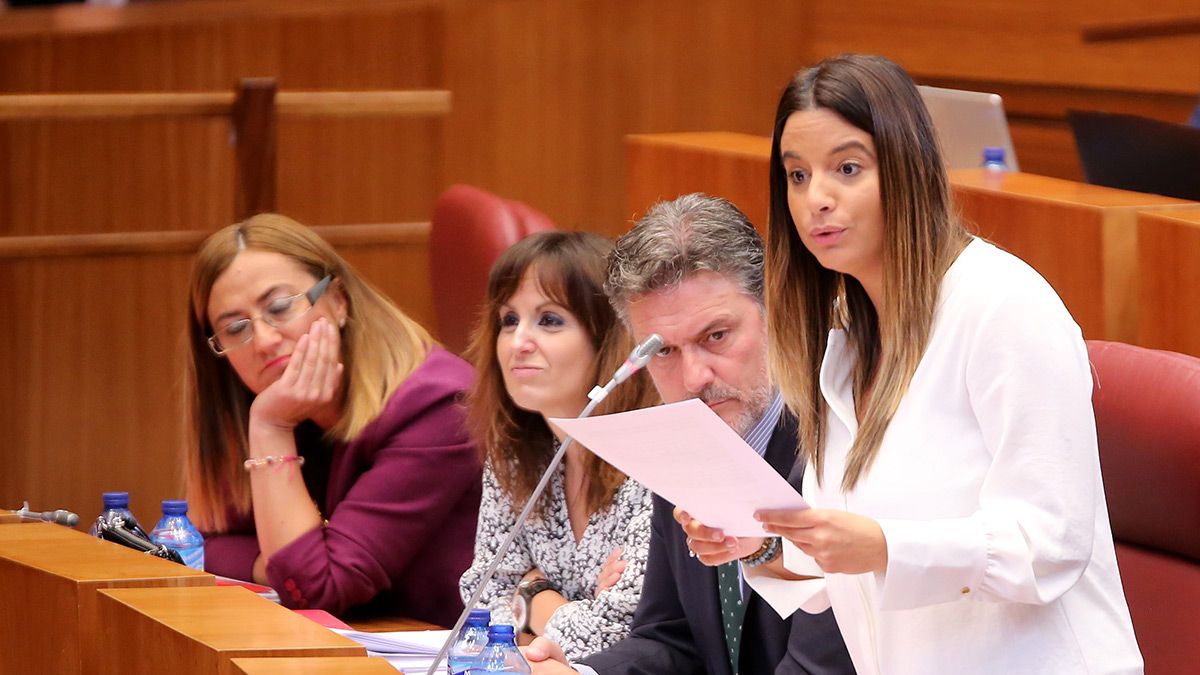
(584, 670)
(931, 562)
(786, 596)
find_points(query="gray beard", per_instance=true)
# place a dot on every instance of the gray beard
(755, 403)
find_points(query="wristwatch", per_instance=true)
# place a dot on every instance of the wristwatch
(523, 600)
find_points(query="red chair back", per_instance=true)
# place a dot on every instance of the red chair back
(1147, 405)
(470, 228)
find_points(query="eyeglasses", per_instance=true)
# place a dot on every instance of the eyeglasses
(277, 313)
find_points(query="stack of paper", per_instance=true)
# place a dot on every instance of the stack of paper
(411, 651)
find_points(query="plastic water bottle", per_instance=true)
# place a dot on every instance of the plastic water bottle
(117, 504)
(501, 654)
(176, 532)
(464, 653)
(993, 160)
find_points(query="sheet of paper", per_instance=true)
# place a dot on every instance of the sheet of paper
(690, 457)
(407, 651)
(424, 643)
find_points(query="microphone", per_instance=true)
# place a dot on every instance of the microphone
(59, 517)
(117, 529)
(636, 360)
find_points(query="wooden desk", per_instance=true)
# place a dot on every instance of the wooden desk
(1168, 288)
(49, 576)
(1082, 238)
(722, 164)
(332, 665)
(200, 630)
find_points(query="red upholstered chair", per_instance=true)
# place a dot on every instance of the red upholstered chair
(1147, 406)
(469, 229)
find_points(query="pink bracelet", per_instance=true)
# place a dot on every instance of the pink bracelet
(271, 460)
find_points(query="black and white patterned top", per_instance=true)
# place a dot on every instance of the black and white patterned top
(586, 624)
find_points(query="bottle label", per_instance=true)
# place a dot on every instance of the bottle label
(193, 557)
(186, 541)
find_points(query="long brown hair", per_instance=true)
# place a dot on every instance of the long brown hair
(380, 348)
(922, 237)
(570, 269)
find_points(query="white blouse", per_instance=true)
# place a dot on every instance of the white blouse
(987, 487)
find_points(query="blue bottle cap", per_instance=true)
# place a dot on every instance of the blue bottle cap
(479, 617)
(993, 154)
(174, 507)
(500, 631)
(116, 500)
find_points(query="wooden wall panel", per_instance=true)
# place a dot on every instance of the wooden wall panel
(90, 395)
(80, 176)
(727, 165)
(1046, 148)
(1013, 41)
(545, 91)
(110, 176)
(93, 362)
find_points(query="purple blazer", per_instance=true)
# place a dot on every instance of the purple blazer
(400, 502)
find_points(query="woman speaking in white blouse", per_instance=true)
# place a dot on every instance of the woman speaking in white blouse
(944, 399)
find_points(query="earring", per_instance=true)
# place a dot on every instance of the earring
(342, 322)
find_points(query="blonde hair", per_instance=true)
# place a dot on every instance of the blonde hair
(922, 238)
(380, 348)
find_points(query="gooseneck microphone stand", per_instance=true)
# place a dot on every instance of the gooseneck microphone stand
(637, 359)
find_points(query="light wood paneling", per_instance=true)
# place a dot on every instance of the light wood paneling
(545, 91)
(1168, 287)
(113, 176)
(540, 118)
(733, 166)
(200, 630)
(1013, 41)
(49, 577)
(1082, 238)
(92, 367)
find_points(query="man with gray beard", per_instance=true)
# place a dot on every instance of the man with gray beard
(691, 270)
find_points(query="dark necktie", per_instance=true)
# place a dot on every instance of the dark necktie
(729, 588)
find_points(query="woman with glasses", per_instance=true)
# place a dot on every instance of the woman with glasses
(328, 453)
(547, 336)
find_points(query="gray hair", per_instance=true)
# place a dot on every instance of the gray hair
(676, 239)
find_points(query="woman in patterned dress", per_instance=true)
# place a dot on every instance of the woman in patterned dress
(546, 337)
